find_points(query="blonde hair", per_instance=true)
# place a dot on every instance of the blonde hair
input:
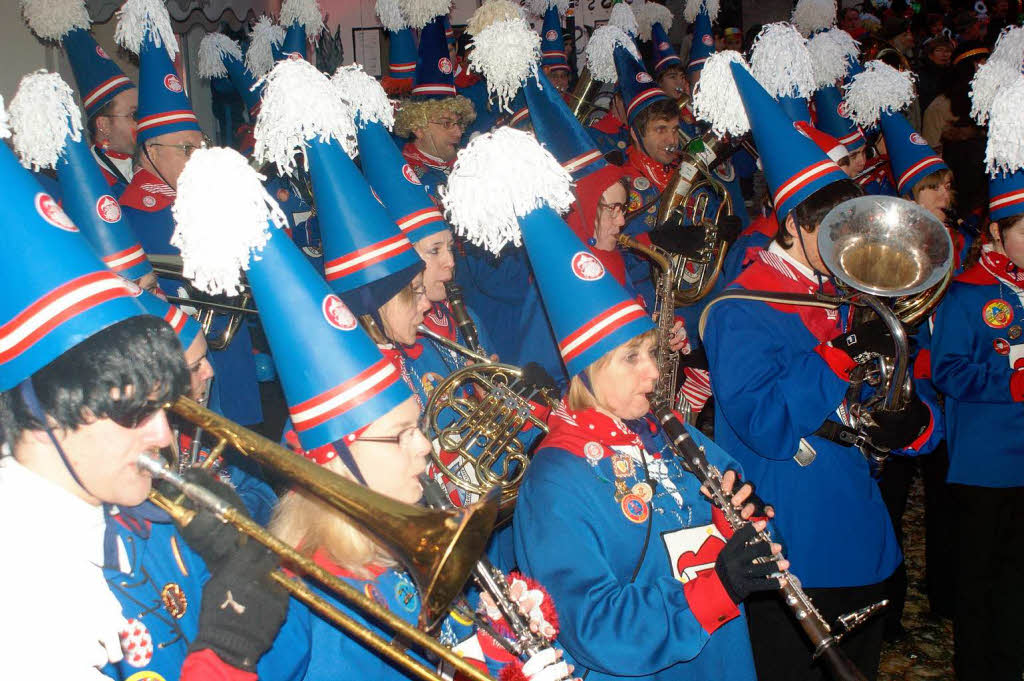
(580, 397)
(932, 181)
(414, 114)
(309, 524)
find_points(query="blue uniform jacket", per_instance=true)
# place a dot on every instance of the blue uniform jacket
(672, 621)
(973, 356)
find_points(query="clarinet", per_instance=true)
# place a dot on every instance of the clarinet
(462, 318)
(818, 631)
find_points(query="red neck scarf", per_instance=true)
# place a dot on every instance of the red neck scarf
(417, 157)
(658, 174)
(1000, 267)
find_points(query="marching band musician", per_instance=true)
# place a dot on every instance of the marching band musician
(977, 362)
(778, 372)
(630, 609)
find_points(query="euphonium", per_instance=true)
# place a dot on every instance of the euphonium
(583, 96)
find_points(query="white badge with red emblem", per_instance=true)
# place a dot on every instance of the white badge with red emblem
(337, 313)
(136, 643)
(587, 267)
(841, 109)
(132, 287)
(916, 138)
(51, 211)
(692, 550)
(663, 46)
(551, 35)
(643, 77)
(444, 65)
(172, 83)
(101, 54)
(708, 40)
(410, 175)
(108, 209)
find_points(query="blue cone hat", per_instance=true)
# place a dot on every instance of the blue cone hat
(366, 258)
(559, 131)
(58, 292)
(663, 56)
(394, 181)
(520, 111)
(794, 166)
(703, 44)
(1006, 195)
(636, 85)
(295, 40)
(243, 81)
(435, 73)
(99, 79)
(909, 154)
(831, 118)
(449, 34)
(185, 326)
(552, 44)
(796, 108)
(402, 55)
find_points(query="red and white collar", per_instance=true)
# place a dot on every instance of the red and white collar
(147, 192)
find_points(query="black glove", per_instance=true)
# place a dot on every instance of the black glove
(736, 568)
(213, 539)
(729, 228)
(896, 430)
(871, 336)
(535, 376)
(242, 607)
(757, 501)
(675, 237)
(697, 359)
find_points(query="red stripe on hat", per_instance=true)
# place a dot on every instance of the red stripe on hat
(166, 118)
(803, 178)
(1006, 200)
(852, 137)
(176, 318)
(519, 115)
(916, 168)
(644, 96)
(418, 219)
(665, 59)
(366, 256)
(582, 161)
(355, 391)
(434, 90)
(697, 62)
(553, 53)
(122, 260)
(404, 67)
(56, 307)
(599, 328)
(105, 87)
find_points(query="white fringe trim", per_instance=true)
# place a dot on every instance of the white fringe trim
(506, 53)
(54, 19)
(138, 19)
(212, 50)
(43, 114)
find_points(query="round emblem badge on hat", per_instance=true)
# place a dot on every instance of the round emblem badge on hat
(841, 108)
(444, 65)
(136, 643)
(641, 183)
(643, 77)
(148, 201)
(725, 171)
(51, 211)
(663, 45)
(708, 40)
(587, 267)
(997, 313)
(410, 175)
(101, 53)
(634, 508)
(174, 599)
(337, 313)
(551, 35)
(108, 208)
(1001, 346)
(593, 451)
(172, 83)
(916, 138)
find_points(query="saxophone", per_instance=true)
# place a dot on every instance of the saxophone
(667, 359)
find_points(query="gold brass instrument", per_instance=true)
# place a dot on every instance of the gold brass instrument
(208, 307)
(667, 359)
(584, 96)
(438, 548)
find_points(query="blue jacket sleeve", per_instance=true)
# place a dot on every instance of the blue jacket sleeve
(770, 389)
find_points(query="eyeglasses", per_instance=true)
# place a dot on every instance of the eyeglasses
(613, 207)
(405, 439)
(186, 149)
(448, 123)
(139, 416)
(134, 115)
(419, 291)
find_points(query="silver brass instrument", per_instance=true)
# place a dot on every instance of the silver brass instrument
(208, 307)
(811, 621)
(439, 548)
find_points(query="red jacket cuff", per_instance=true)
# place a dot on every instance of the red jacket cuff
(708, 600)
(204, 665)
(837, 360)
(718, 518)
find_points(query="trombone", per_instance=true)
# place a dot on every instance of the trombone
(438, 548)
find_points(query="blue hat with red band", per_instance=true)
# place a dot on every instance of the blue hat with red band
(794, 166)
(663, 54)
(184, 325)
(830, 112)
(1004, 160)
(638, 88)
(703, 44)
(449, 34)
(220, 56)
(46, 310)
(144, 27)
(435, 73)
(552, 43)
(911, 157)
(402, 55)
(1005, 194)
(559, 130)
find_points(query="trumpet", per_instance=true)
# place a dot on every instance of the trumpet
(438, 548)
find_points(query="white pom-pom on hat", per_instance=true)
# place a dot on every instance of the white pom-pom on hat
(831, 52)
(299, 104)
(54, 19)
(265, 35)
(781, 63)
(419, 13)
(990, 78)
(365, 98)
(693, 8)
(878, 89)
(43, 114)
(649, 14)
(305, 13)
(516, 174)
(813, 15)
(539, 8)
(622, 16)
(600, 52)
(1009, 46)
(1005, 150)
(491, 12)
(212, 50)
(218, 187)
(390, 15)
(138, 18)
(506, 53)
(716, 99)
